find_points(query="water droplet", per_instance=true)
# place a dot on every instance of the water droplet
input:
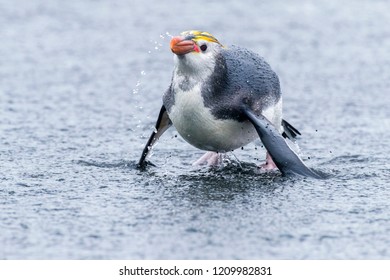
(143, 73)
(136, 88)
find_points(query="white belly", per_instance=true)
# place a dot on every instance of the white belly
(200, 128)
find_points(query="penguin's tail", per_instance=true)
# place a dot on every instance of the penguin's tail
(289, 132)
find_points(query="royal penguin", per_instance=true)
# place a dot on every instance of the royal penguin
(222, 98)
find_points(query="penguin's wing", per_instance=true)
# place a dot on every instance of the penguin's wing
(162, 124)
(285, 159)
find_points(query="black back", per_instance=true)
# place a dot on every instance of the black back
(241, 77)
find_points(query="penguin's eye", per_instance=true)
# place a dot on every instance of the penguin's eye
(203, 47)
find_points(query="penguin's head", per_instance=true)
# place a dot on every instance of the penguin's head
(195, 51)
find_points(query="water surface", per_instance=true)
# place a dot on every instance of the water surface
(80, 88)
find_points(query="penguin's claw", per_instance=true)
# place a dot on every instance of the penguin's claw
(209, 159)
(269, 164)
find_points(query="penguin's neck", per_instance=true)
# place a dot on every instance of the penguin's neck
(190, 80)
(187, 91)
(184, 82)
(185, 73)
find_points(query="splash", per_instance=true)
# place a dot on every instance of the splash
(136, 87)
(143, 89)
(157, 47)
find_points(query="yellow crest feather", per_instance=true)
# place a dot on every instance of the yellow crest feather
(200, 35)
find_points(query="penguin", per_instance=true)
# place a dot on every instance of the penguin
(222, 98)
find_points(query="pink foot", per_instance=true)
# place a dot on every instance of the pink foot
(210, 159)
(269, 164)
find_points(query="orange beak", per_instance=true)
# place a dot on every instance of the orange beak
(181, 46)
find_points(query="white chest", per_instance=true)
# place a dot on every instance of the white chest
(195, 123)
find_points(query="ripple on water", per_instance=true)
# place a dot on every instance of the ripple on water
(345, 159)
(104, 164)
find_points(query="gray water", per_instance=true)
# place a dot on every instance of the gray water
(80, 89)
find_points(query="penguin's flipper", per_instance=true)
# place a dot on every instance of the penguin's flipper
(162, 124)
(285, 159)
